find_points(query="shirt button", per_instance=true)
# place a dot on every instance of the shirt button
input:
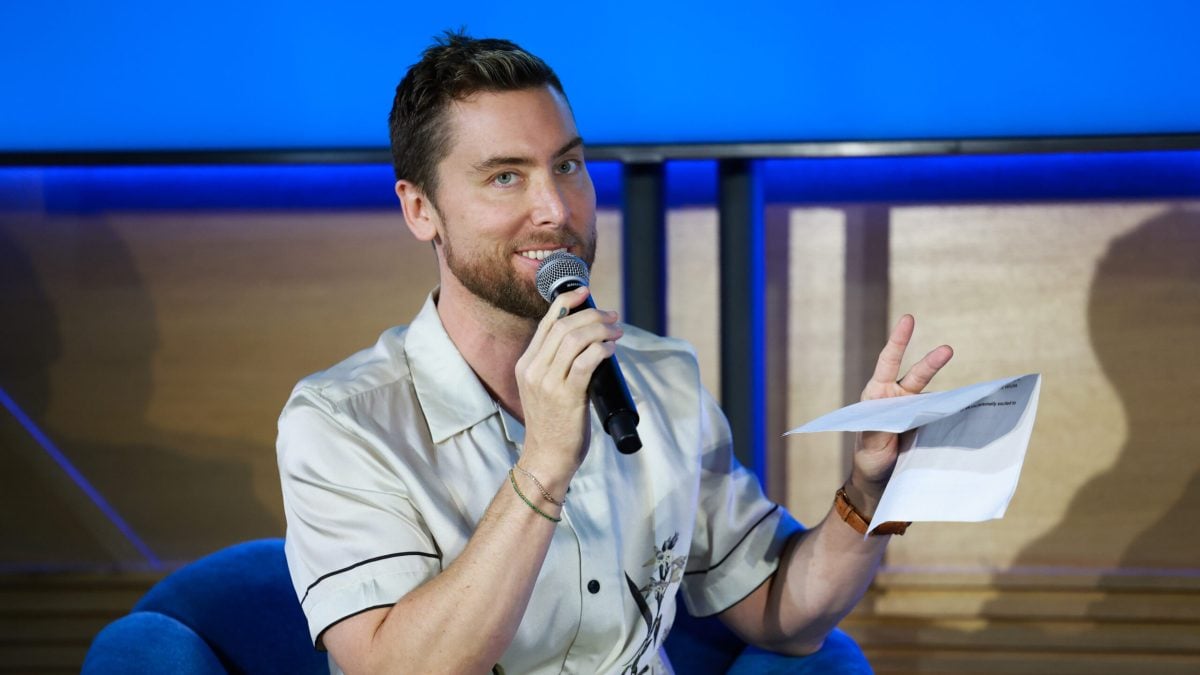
(593, 587)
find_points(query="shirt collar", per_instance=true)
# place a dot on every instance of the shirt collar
(450, 393)
(514, 431)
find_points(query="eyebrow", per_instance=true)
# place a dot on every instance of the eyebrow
(496, 162)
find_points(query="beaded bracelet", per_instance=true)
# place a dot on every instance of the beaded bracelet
(538, 483)
(512, 478)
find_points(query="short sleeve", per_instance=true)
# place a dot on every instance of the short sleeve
(355, 540)
(740, 534)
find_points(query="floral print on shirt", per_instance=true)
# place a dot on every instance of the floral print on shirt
(666, 570)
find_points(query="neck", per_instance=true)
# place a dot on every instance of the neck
(489, 339)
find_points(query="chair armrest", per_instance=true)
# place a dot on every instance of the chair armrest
(149, 642)
(840, 655)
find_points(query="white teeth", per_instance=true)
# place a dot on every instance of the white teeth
(540, 255)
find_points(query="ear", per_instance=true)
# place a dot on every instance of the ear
(420, 215)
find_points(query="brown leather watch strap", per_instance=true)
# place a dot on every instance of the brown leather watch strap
(847, 512)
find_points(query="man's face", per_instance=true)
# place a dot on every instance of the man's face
(512, 189)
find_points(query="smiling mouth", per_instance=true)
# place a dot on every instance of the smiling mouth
(539, 254)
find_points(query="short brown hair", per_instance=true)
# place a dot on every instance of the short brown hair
(452, 69)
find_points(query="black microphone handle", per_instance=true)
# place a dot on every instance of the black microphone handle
(608, 391)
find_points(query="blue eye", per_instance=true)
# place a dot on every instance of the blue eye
(506, 178)
(569, 166)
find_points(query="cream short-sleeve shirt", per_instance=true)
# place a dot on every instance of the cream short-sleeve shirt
(389, 459)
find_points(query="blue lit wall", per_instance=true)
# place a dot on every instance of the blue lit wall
(134, 74)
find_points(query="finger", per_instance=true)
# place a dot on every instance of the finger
(539, 357)
(560, 329)
(876, 441)
(565, 301)
(586, 363)
(577, 341)
(887, 367)
(919, 376)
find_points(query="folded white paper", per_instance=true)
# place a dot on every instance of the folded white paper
(966, 456)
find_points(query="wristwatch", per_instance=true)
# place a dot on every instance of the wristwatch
(847, 512)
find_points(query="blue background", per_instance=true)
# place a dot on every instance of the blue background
(141, 75)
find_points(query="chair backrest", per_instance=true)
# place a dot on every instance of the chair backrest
(240, 602)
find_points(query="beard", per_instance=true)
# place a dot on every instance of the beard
(493, 279)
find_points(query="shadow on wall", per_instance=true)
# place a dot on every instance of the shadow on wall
(33, 528)
(78, 336)
(1144, 317)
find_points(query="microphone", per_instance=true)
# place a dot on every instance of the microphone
(559, 273)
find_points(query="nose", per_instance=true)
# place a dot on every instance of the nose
(548, 203)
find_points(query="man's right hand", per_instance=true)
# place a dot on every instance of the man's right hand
(552, 378)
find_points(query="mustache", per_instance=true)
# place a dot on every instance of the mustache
(565, 241)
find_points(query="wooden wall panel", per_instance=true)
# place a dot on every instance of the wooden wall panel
(693, 287)
(156, 350)
(1104, 300)
(47, 621)
(1093, 568)
(1068, 622)
(815, 357)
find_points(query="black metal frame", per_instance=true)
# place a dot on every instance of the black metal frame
(742, 336)
(640, 153)
(644, 246)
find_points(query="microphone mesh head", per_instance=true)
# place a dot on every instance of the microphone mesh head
(557, 268)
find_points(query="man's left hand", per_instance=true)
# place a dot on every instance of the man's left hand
(825, 571)
(876, 452)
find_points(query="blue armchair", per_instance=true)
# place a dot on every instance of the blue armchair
(235, 612)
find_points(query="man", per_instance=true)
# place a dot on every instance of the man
(452, 503)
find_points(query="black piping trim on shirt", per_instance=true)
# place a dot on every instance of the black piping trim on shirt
(735, 546)
(323, 577)
(756, 587)
(321, 647)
